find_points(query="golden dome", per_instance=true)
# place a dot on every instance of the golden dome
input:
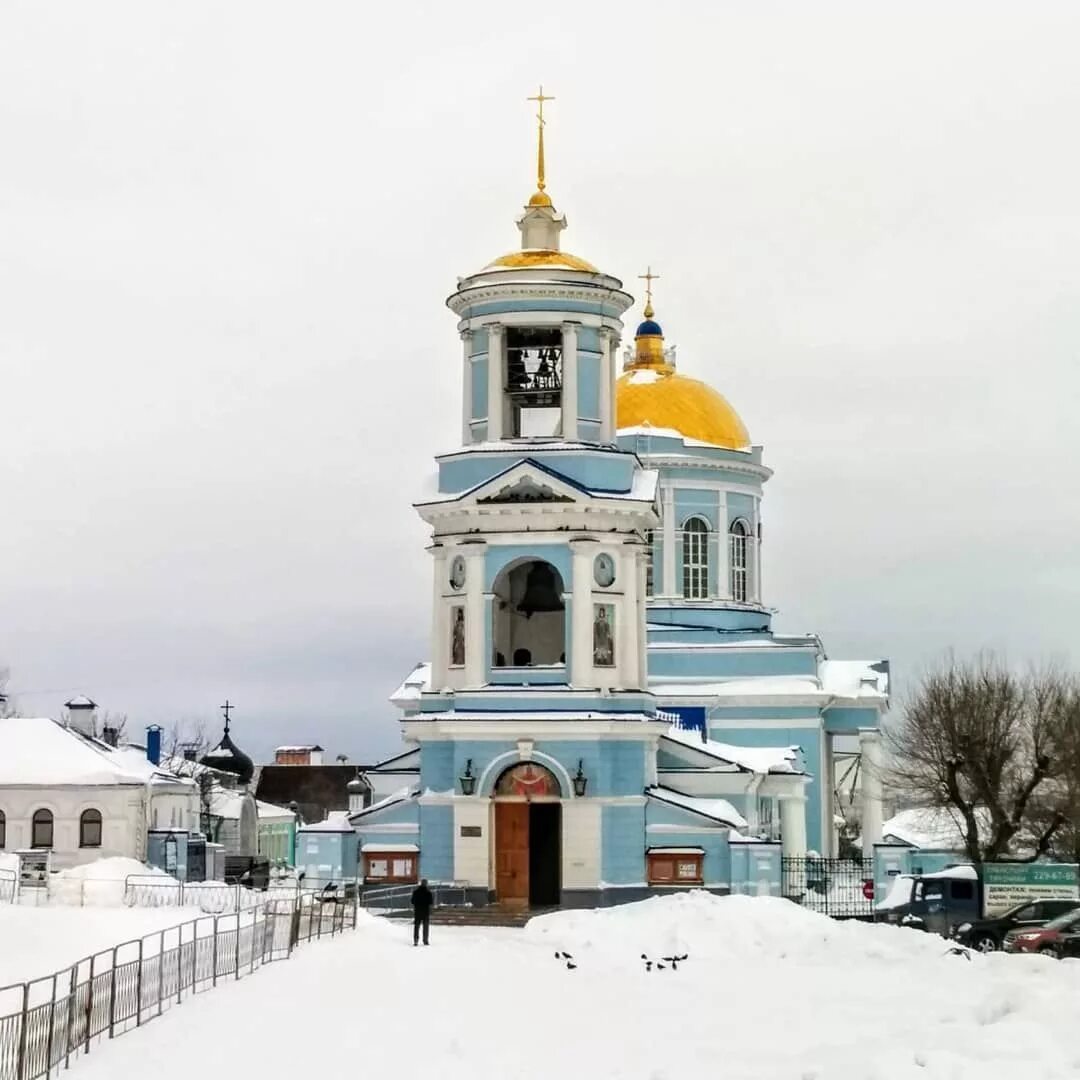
(532, 257)
(651, 393)
(540, 198)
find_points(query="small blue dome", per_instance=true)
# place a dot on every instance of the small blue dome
(649, 327)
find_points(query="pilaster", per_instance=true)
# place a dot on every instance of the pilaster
(569, 382)
(496, 368)
(475, 636)
(581, 617)
(466, 387)
(440, 620)
(669, 586)
(607, 385)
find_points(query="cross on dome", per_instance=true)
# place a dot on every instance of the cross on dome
(648, 277)
(540, 98)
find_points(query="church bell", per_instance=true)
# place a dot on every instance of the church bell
(541, 591)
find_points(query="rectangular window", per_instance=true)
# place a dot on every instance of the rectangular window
(695, 540)
(675, 867)
(740, 565)
(394, 867)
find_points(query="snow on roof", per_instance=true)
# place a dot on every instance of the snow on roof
(335, 821)
(417, 681)
(854, 678)
(719, 810)
(965, 872)
(394, 797)
(538, 715)
(37, 751)
(371, 849)
(933, 827)
(758, 759)
(134, 759)
(227, 803)
(803, 686)
(81, 701)
(676, 851)
(671, 433)
(296, 749)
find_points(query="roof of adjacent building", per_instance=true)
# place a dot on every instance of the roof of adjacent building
(316, 789)
(39, 752)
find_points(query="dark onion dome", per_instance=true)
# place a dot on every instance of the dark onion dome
(228, 757)
(649, 329)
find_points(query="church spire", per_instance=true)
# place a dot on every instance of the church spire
(541, 198)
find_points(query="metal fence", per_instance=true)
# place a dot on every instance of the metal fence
(8, 886)
(212, 897)
(394, 900)
(840, 888)
(46, 1022)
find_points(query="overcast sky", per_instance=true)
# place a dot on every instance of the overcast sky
(227, 232)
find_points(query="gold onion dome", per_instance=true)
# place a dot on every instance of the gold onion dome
(651, 393)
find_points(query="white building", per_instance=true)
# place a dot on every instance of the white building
(81, 799)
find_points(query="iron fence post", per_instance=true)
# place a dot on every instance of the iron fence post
(72, 989)
(237, 969)
(214, 951)
(180, 963)
(20, 1064)
(112, 999)
(51, 1029)
(160, 970)
(138, 986)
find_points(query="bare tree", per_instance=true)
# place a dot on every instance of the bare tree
(991, 747)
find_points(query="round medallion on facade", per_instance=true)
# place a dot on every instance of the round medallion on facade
(457, 572)
(604, 570)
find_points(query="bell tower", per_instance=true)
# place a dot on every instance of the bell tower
(539, 521)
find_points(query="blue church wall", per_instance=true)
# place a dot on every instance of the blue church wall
(622, 850)
(701, 663)
(588, 380)
(600, 471)
(405, 837)
(479, 342)
(709, 618)
(499, 556)
(588, 339)
(690, 503)
(843, 720)
(402, 813)
(714, 841)
(437, 842)
(556, 304)
(740, 506)
(479, 388)
(437, 766)
(687, 476)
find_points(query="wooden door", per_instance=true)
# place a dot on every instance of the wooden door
(512, 853)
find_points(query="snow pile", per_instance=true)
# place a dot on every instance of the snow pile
(726, 930)
(101, 883)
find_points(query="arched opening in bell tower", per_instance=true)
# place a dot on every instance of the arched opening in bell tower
(528, 616)
(534, 381)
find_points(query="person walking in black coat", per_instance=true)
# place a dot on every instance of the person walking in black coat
(422, 901)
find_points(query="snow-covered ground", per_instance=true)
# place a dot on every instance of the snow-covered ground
(768, 991)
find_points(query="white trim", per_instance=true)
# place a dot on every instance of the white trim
(513, 757)
(407, 827)
(500, 730)
(804, 723)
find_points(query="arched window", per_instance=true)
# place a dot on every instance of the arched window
(3, 831)
(649, 564)
(90, 828)
(695, 559)
(41, 833)
(739, 560)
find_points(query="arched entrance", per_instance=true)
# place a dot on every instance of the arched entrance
(528, 836)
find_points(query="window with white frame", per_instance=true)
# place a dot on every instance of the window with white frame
(739, 560)
(695, 559)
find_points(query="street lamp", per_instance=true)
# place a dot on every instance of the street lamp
(467, 780)
(580, 780)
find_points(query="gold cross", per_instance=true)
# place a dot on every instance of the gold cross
(648, 277)
(540, 98)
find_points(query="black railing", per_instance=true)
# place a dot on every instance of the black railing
(839, 888)
(47, 1021)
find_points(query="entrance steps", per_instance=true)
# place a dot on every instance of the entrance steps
(492, 915)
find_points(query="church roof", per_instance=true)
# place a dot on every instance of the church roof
(227, 757)
(717, 810)
(757, 759)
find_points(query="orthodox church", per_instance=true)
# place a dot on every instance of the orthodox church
(607, 711)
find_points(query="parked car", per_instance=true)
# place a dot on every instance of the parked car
(987, 935)
(1069, 946)
(935, 902)
(1049, 940)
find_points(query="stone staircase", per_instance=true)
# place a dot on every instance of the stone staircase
(492, 915)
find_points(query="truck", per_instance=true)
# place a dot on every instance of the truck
(952, 901)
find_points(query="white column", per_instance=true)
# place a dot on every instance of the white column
(642, 616)
(829, 837)
(496, 367)
(474, 614)
(667, 508)
(569, 382)
(756, 594)
(466, 387)
(581, 618)
(627, 630)
(607, 386)
(440, 622)
(723, 548)
(870, 780)
(793, 825)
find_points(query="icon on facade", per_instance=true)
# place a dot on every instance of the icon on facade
(604, 570)
(457, 572)
(604, 635)
(457, 637)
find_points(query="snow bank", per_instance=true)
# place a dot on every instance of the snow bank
(100, 883)
(727, 930)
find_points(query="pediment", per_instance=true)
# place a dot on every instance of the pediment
(525, 489)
